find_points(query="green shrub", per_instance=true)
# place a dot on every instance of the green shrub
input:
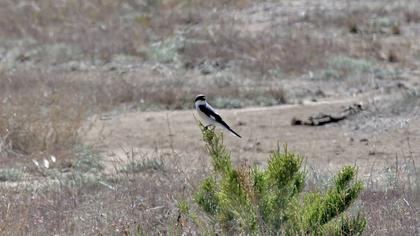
(167, 51)
(88, 160)
(10, 175)
(137, 166)
(343, 67)
(250, 200)
(349, 64)
(229, 103)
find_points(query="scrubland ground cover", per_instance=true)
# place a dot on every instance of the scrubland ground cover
(92, 140)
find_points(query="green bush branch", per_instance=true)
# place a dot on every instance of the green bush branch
(251, 200)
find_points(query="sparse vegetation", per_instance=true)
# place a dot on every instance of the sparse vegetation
(143, 165)
(341, 68)
(88, 160)
(11, 175)
(70, 71)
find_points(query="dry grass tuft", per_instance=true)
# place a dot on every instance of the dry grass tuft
(36, 117)
(62, 63)
(391, 212)
(294, 53)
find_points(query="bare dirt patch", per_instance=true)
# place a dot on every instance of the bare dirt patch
(327, 148)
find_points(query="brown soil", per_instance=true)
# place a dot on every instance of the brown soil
(325, 149)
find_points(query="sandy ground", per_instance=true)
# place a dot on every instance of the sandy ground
(174, 137)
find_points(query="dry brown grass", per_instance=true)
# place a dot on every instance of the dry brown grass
(60, 66)
(90, 202)
(393, 212)
(145, 201)
(294, 53)
(44, 112)
(100, 29)
(35, 117)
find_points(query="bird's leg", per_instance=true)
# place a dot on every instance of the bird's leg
(207, 126)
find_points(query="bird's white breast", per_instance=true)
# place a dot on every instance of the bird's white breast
(203, 117)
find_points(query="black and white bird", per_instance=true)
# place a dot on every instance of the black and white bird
(208, 115)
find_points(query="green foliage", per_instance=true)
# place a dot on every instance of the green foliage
(138, 166)
(224, 102)
(351, 226)
(220, 156)
(206, 196)
(87, 169)
(349, 64)
(10, 175)
(250, 200)
(343, 67)
(88, 160)
(321, 208)
(167, 51)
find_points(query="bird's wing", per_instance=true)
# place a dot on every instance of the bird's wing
(209, 111)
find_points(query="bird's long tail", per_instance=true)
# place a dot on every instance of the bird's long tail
(224, 125)
(233, 132)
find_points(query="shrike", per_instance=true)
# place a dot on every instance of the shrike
(208, 115)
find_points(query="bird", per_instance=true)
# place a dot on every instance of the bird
(209, 115)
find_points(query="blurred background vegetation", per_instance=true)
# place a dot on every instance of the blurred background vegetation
(66, 64)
